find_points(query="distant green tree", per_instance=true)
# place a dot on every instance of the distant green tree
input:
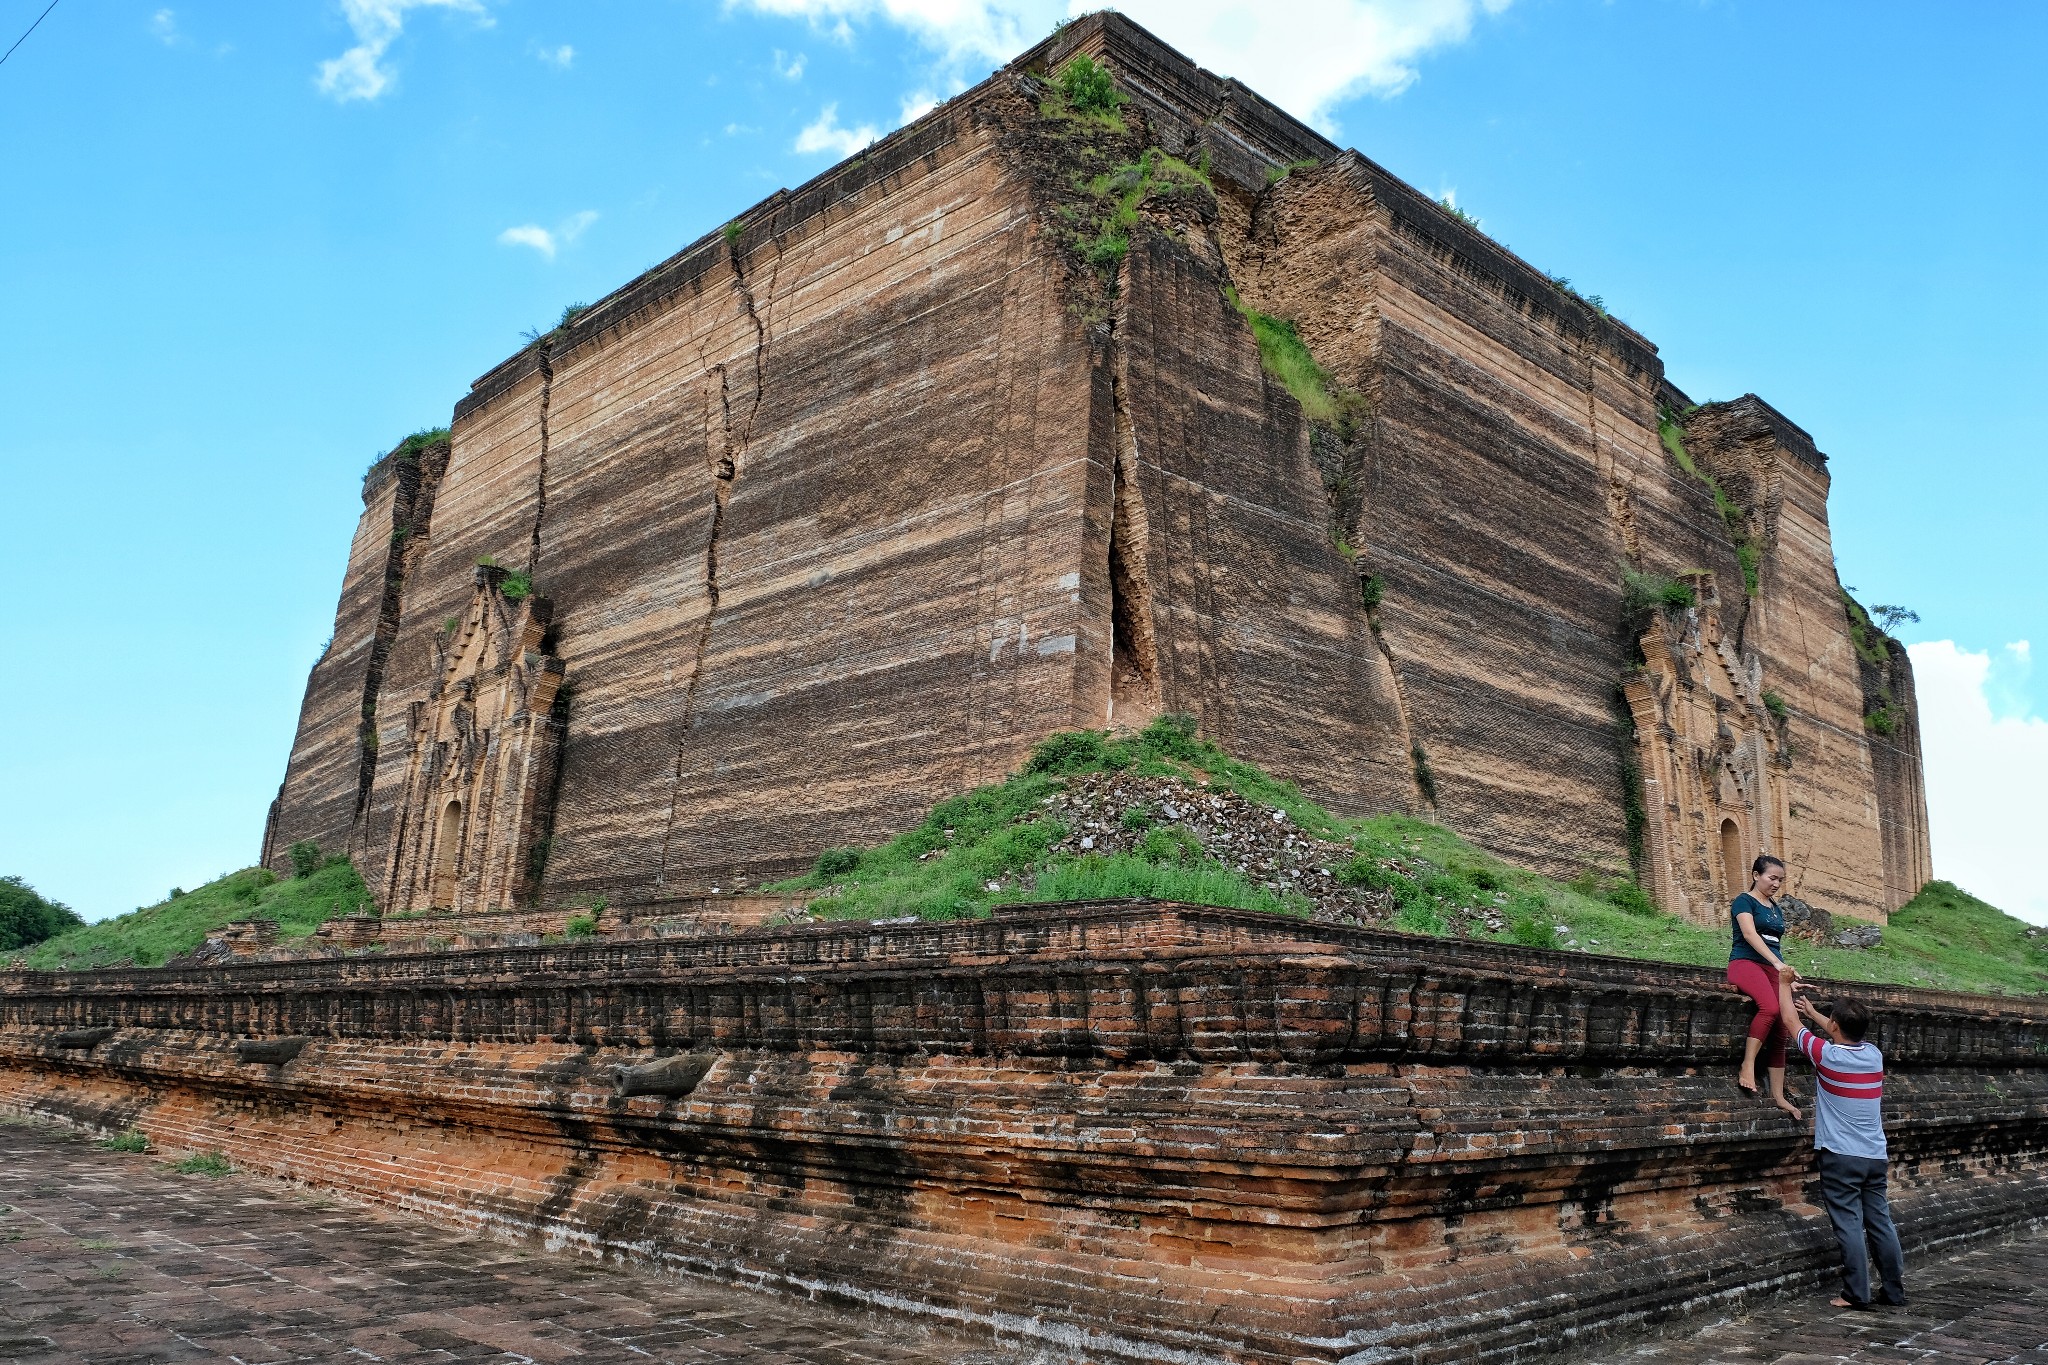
(26, 918)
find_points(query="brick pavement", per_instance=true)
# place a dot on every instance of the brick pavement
(112, 1258)
(1986, 1306)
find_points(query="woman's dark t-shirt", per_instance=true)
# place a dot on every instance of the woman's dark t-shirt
(1770, 926)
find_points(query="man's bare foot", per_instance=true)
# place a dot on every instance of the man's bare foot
(1789, 1108)
(1839, 1302)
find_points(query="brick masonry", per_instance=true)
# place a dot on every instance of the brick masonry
(1158, 1132)
(844, 507)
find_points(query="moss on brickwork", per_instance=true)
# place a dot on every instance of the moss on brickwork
(1009, 842)
(152, 935)
(1748, 553)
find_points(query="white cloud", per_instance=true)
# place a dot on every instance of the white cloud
(164, 24)
(825, 135)
(1985, 756)
(792, 69)
(548, 242)
(529, 234)
(995, 30)
(916, 106)
(1325, 51)
(356, 73)
(559, 57)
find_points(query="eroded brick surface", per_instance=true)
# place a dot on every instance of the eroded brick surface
(111, 1258)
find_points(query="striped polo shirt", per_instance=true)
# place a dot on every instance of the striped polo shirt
(1848, 1096)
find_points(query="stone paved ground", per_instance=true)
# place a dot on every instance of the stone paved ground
(1986, 1305)
(112, 1258)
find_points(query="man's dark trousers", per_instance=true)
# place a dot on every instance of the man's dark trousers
(1854, 1190)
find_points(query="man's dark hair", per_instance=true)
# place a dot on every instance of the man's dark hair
(1850, 1017)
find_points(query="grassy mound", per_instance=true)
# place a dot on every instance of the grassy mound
(1014, 841)
(156, 933)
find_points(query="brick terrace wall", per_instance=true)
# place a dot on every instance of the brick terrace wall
(1153, 1132)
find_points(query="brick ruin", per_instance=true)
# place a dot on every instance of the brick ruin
(1123, 1130)
(842, 508)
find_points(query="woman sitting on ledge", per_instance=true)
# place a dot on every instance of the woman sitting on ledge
(1753, 963)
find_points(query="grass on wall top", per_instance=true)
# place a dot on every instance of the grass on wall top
(1003, 834)
(177, 924)
(943, 869)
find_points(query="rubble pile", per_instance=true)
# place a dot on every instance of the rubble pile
(1172, 819)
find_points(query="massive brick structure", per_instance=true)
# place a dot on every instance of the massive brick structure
(1132, 1130)
(841, 509)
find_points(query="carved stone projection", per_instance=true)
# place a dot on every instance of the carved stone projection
(472, 831)
(1713, 759)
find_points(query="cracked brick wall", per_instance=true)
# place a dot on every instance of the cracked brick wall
(848, 504)
(1139, 1131)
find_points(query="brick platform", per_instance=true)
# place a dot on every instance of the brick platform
(109, 1257)
(1154, 1131)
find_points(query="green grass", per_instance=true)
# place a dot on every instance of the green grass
(1286, 357)
(1084, 90)
(1000, 834)
(996, 834)
(1448, 207)
(1276, 174)
(1864, 633)
(408, 451)
(207, 1163)
(1086, 86)
(130, 1141)
(1640, 591)
(155, 933)
(1104, 235)
(1748, 553)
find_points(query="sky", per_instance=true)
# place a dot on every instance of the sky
(247, 248)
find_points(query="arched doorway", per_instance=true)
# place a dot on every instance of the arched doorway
(448, 856)
(1733, 865)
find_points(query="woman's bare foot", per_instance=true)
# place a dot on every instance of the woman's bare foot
(1789, 1108)
(1745, 1081)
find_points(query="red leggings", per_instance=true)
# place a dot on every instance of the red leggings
(1760, 983)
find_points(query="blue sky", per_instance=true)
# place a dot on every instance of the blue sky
(248, 247)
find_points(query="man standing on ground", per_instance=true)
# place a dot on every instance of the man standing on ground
(1848, 1139)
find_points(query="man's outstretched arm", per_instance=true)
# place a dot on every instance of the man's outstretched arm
(1792, 1007)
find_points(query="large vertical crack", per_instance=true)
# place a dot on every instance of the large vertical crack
(411, 512)
(540, 495)
(1134, 654)
(735, 435)
(1418, 758)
